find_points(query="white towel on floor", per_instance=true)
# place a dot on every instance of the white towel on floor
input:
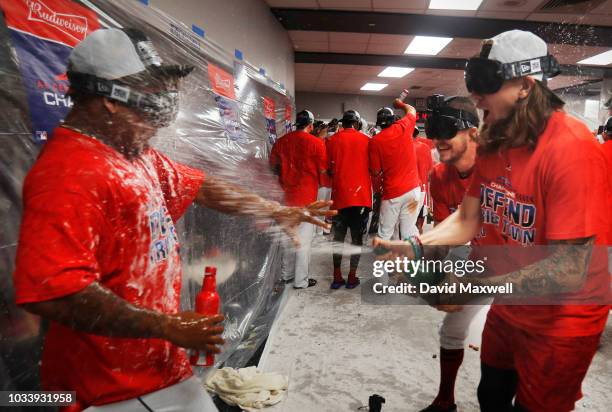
(249, 388)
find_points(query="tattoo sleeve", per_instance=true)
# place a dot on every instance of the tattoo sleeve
(97, 310)
(563, 271)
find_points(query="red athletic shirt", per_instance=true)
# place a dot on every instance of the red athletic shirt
(302, 158)
(392, 152)
(428, 142)
(557, 191)
(90, 215)
(424, 162)
(447, 190)
(348, 163)
(325, 180)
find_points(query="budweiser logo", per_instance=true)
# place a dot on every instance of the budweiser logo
(69, 24)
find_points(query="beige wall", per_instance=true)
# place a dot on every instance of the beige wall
(330, 105)
(247, 25)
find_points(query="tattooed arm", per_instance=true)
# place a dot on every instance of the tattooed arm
(99, 311)
(565, 270)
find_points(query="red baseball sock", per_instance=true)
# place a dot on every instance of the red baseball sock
(450, 361)
(352, 276)
(337, 275)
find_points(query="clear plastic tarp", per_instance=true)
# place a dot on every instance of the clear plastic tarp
(230, 114)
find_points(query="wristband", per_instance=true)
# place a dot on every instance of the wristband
(415, 247)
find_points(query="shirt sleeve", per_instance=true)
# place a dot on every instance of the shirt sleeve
(475, 181)
(58, 240)
(180, 184)
(375, 166)
(575, 193)
(441, 209)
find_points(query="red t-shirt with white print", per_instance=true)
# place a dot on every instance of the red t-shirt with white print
(557, 191)
(91, 215)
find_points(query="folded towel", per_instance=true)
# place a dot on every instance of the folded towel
(248, 388)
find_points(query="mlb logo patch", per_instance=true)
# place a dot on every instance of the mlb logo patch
(525, 68)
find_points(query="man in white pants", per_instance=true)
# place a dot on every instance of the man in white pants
(394, 171)
(453, 129)
(300, 160)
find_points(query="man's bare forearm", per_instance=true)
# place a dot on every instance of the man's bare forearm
(564, 271)
(228, 198)
(99, 311)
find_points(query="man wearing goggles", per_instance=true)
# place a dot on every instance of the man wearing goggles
(540, 179)
(452, 126)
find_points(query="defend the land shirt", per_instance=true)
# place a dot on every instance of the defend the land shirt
(91, 215)
(392, 153)
(558, 191)
(302, 159)
(349, 167)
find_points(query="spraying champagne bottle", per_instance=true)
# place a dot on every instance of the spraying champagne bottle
(207, 303)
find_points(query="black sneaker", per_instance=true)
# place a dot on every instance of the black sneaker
(311, 283)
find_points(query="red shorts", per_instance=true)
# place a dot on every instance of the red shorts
(550, 368)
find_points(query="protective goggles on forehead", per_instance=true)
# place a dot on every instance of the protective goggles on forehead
(444, 124)
(484, 76)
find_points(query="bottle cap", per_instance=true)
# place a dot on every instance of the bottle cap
(210, 270)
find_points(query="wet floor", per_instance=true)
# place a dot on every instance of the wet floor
(338, 350)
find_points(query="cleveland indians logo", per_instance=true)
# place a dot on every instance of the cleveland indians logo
(69, 24)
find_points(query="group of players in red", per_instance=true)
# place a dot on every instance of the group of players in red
(530, 175)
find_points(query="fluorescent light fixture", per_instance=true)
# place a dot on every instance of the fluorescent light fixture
(395, 71)
(374, 86)
(427, 45)
(601, 59)
(454, 4)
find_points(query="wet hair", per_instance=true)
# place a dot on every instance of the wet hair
(524, 124)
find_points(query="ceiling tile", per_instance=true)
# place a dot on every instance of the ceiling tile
(341, 37)
(308, 67)
(309, 36)
(455, 13)
(338, 68)
(505, 15)
(518, 5)
(568, 54)
(343, 4)
(385, 49)
(348, 47)
(403, 40)
(297, 4)
(401, 4)
(605, 8)
(461, 47)
(311, 46)
(367, 70)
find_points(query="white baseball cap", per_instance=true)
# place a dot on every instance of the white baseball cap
(515, 46)
(110, 54)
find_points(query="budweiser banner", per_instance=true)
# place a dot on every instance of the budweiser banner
(43, 34)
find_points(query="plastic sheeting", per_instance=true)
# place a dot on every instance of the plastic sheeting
(225, 131)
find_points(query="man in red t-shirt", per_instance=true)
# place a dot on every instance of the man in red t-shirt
(394, 171)
(351, 191)
(453, 130)
(300, 160)
(98, 253)
(539, 180)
